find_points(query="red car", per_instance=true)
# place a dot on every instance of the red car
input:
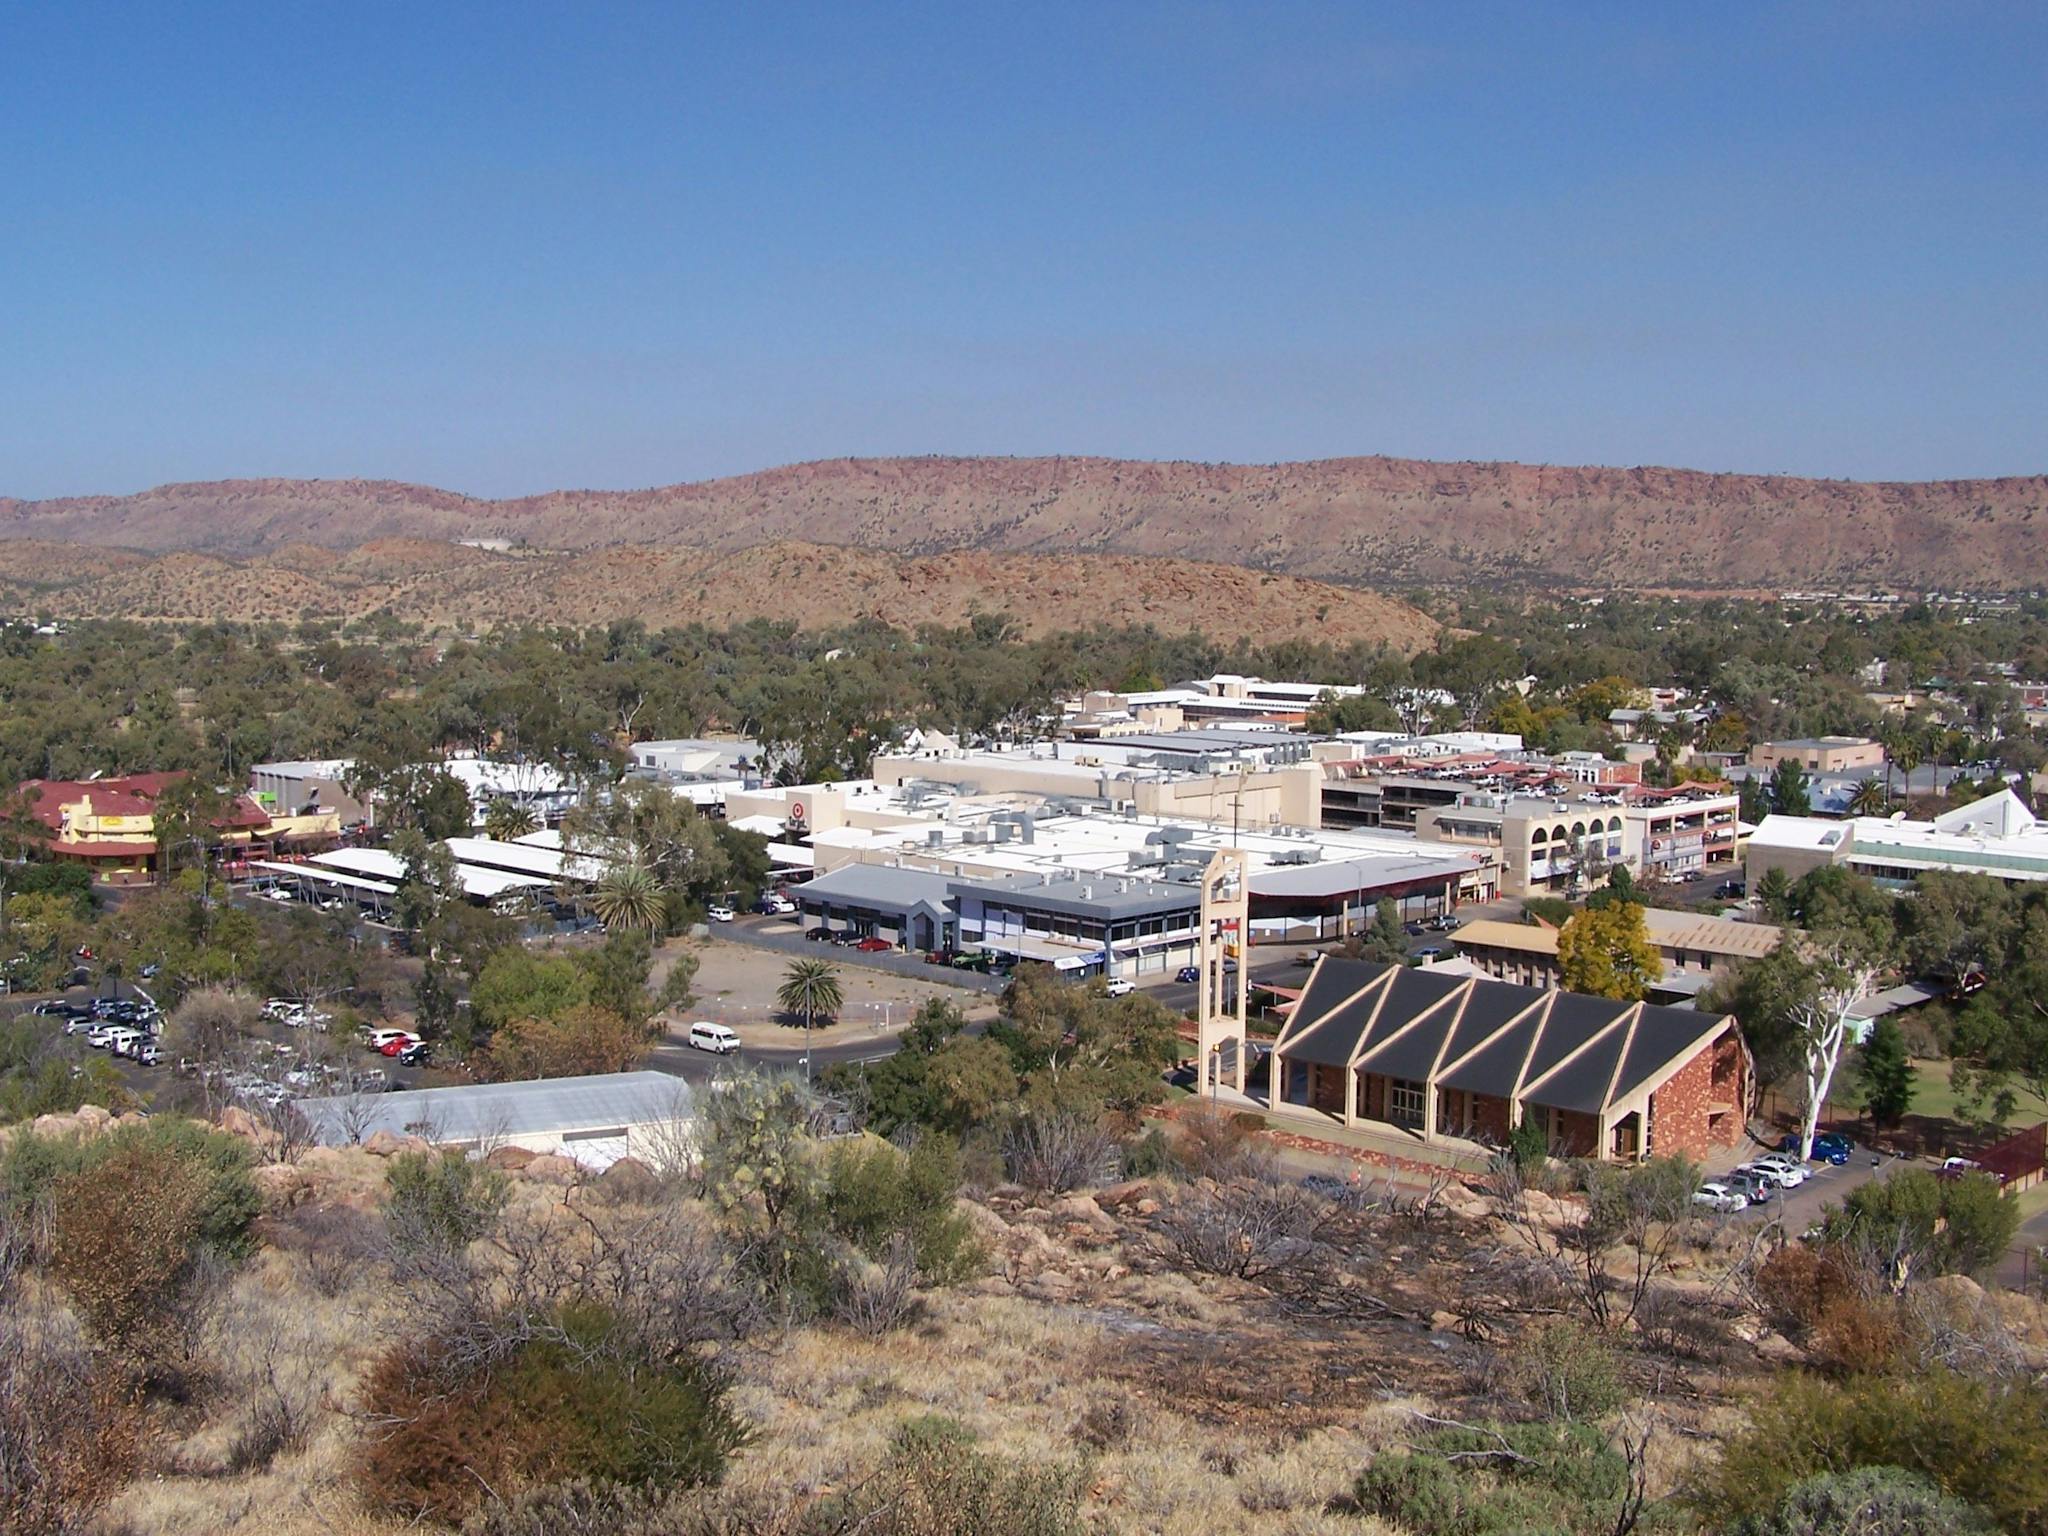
(403, 1042)
(874, 946)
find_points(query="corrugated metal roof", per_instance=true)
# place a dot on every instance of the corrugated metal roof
(475, 1111)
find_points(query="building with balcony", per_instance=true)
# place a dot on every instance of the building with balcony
(1555, 845)
(110, 825)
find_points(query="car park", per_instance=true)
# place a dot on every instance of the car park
(720, 913)
(715, 1038)
(1719, 1197)
(874, 946)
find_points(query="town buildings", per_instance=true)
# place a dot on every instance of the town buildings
(110, 825)
(1996, 836)
(1556, 844)
(1820, 754)
(1695, 948)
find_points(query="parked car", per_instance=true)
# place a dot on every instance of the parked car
(720, 913)
(1119, 986)
(1754, 1187)
(820, 932)
(1729, 888)
(418, 1054)
(1188, 973)
(1719, 1197)
(764, 908)
(874, 946)
(1448, 923)
(846, 938)
(147, 1054)
(402, 1043)
(1430, 952)
(1414, 930)
(379, 1038)
(149, 971)
(1769, 1173)
(715, 1038)
(278, 1007)
(1828, 1147)
(1790, 1171)
(54, 1008)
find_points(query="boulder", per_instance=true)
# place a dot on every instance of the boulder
(384, 1144)
(237, 1121)
(92, 1117)
(280, 1185)
(548, 1168)
(508, 1159)
(1082, 1210)
(57, 1125)
(1130, 1192)
(630, 1180)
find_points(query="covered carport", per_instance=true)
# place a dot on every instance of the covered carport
(372, 897)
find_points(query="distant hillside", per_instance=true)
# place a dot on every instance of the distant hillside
(1371, 522)
(812, 585)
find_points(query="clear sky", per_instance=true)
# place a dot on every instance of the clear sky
(506, 247)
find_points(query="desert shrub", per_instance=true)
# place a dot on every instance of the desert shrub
(71, 1431)
(127, 1247)
(225, 1200)
(578, 1397)
(1150, 1156)
(1105, 1424)
(331, 1243)
(1972, 1439)
(1054, 1151)
(1214, 1143)
(936, 1482)
(1247, 1229)
(1487, 1480)
(1870, 1501)
(1528, 1146)
(875, 1295)
(438, 1203)
(1567, 1370)
(875, 1195)
(1912, 1218)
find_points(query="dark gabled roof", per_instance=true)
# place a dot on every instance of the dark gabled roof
(1581, 1083)
(1660, 1035)
(1410, 1035)
(1574, 1019)
(1560, 1049)
(1496, 1067)
(1488, 1009)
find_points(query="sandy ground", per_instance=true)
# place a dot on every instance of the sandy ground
(736, 986)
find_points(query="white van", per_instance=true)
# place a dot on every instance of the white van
(716, 1038)
(122, 1041)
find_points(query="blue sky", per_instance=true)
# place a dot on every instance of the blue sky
(509, 247)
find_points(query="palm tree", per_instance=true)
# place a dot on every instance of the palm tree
(506, 819)
(628, 896)
(1869, 798)
(810, 988)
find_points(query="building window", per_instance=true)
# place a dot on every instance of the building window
(1404, 1101)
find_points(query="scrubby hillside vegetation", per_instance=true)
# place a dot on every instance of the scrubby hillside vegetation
(1057, 1323)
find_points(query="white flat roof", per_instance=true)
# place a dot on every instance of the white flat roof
(1812, 833)
(326, 877)
(790, 856)
(380, 865)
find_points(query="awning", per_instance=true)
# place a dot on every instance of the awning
(766, 826)
(790, 856)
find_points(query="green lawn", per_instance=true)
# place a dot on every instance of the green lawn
(1932, 1096)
